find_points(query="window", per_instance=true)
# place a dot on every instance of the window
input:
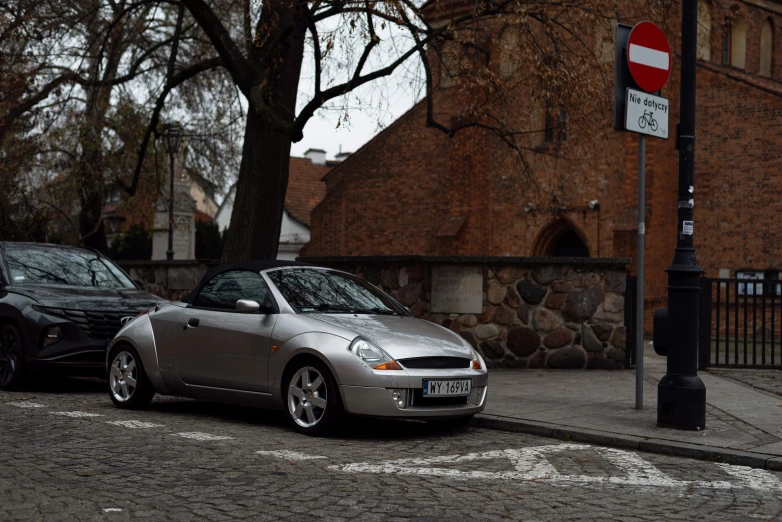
(33, 265)
(113, 195)
(449, 63)
(704, 30)
(554, 123)
(223, 290)
(766, 48)
(738, 42)
(752, 288)
(509, 52)
(726, 46)
(312, 290)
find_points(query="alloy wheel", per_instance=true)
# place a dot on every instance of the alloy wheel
(123, 376)
(307, 397)
(9, 353)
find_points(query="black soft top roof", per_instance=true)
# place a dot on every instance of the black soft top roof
(252, 265)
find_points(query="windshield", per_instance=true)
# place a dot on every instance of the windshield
(312, 290)
(32, 265)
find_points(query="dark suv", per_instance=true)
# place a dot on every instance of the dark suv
(59, 309)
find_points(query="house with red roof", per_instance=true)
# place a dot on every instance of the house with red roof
(305, 190)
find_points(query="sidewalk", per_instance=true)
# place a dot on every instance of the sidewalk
(743, 414)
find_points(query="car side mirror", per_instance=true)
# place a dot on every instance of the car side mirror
(139, 284)
(247, 306)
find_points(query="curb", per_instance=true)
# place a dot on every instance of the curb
(631, 442)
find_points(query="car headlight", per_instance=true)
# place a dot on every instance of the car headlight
(477, 360)
(49, 310)
(372, 355)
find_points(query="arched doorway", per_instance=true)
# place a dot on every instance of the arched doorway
(561, 239)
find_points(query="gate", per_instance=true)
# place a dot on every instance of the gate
(740, 324)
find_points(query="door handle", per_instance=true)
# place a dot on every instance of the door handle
(192, 323)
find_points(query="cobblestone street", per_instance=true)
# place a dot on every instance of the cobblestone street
(69, 454)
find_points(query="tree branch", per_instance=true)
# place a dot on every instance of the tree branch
(179, 78)
(240, 68)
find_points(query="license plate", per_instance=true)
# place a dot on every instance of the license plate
(452, 388)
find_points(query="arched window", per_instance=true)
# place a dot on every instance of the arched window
(766, 48)
(560, 239)
(449, 62)
(509, 52)
(738, 42)
(704, 30)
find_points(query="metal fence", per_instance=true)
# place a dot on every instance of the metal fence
(740, 323)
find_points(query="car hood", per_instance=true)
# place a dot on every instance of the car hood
(82, 298)
(401, 337)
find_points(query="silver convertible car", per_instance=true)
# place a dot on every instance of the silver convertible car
(315, 342)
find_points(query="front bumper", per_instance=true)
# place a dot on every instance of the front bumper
(378, 401)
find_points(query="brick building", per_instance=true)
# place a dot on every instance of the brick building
(413, 190)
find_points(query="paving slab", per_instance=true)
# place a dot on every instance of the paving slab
(743, 420)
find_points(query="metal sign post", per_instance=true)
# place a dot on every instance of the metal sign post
(639, 306)
(642, 66)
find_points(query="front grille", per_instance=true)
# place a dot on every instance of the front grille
(435, 363)
(418, 399)
(99, 325)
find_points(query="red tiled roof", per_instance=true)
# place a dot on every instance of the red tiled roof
(305, 188)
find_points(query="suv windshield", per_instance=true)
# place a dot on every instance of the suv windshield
(34, 265)
(313, 290)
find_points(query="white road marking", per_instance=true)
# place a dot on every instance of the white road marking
(111, 510)
(26, 404)
(75, 414)
(197, 435)
(530, 464)
(290, 455)
(649, 57)
(134, 424)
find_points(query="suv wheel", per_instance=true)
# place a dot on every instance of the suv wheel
(11, 358)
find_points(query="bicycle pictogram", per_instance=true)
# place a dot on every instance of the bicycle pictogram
(648, 119)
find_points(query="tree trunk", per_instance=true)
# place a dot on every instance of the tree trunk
(259, 202)
(254, 232)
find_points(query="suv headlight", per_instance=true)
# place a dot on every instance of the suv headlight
(374, 356)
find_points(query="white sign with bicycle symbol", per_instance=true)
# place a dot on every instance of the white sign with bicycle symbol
(646, 114)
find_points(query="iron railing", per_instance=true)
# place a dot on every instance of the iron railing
(740, 323)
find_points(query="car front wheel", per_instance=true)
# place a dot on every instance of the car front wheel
(11, 358)
(129, 387)
(312, 402)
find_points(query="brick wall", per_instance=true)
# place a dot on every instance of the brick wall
(394, 195)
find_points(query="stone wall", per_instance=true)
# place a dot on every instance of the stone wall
(168, 279)
(536, 312)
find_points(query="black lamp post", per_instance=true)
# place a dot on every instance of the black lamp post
(172, 139)
(681, 395)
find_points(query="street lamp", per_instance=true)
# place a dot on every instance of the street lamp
(681, 394)
(172, 139)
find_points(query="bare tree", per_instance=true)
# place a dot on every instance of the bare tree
(91, 84)
(355, 43)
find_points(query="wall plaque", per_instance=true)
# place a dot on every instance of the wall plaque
(457, 289)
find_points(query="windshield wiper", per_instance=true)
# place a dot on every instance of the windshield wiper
(325, 307)
(377, 310)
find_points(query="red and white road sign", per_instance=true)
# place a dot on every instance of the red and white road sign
(648, 56)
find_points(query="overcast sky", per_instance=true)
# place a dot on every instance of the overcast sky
(321, 131)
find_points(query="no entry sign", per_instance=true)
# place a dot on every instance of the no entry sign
(648, 56)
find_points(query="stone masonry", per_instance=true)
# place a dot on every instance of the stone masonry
(537, 312)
